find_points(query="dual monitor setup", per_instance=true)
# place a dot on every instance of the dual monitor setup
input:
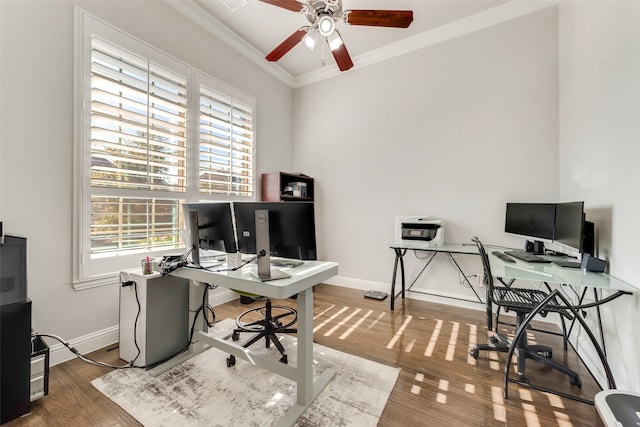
(282, 229)
(561, 224)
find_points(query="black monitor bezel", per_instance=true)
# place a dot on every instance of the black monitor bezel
(569, 225)
(291, 228)
(210, 215)
(542, 213)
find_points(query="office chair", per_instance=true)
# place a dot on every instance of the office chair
(522, 301)
(264, 322)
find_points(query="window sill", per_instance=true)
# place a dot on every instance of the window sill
(94, 282)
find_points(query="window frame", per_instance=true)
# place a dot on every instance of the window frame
(91, 271)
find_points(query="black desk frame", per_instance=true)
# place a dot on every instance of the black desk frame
(401, 250)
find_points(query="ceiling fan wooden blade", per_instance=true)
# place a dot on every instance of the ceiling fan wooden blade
(342, 57)
(379, 18)
(286, 45)
(292, 5)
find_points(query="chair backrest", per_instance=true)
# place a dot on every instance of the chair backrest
(488, 277)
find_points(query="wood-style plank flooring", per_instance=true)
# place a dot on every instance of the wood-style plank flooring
(439, 384)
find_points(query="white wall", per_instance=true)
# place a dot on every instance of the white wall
(36, 139)
(599, 151)
(454, 131)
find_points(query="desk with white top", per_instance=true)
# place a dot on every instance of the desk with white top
(301, 282)
(401, 248)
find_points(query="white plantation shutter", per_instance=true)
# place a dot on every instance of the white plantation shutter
(155, 133)
(226, 145)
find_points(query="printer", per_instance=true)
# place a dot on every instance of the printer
(419, 229)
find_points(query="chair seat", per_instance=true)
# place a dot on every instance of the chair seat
(524, 300)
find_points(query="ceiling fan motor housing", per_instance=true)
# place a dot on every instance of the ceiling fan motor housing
(316, 9)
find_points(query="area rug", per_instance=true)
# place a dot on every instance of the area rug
(203, 392)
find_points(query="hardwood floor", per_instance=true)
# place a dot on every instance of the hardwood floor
(439, 384)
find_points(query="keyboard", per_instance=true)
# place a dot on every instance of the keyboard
(291, 263)
(503, 257)
(569, 264)
(526, 256)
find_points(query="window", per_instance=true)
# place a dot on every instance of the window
(155, 133)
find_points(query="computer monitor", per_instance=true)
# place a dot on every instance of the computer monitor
(292, 231)
(214, 226)
(569, 225)
(531, 220)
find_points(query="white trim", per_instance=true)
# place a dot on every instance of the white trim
(58, 353)
(439, 297)
(211, 24)
(496, 15)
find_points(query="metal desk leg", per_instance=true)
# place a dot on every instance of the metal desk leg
(399, 258)
(307, 389)
(522, 329)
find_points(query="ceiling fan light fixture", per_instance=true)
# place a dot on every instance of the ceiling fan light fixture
(311, 38)
(334, 40)
(326, 25)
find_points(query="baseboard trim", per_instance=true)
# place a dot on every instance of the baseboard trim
(59, 353)
(439, 297)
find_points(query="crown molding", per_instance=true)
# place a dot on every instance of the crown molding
(214, 26)
(490, 17)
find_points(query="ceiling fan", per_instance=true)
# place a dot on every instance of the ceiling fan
(323, 16)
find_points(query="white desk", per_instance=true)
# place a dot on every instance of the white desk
(554, 275)
(302, 279)
(400, 249)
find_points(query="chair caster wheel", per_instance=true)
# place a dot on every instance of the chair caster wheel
(576, 381)
(235, 336)
(474, 352)
(284, 359)
(231, 361)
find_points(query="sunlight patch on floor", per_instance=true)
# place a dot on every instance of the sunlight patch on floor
(452, 341)
(473, 340)
(400, 331)
(563, 419)
(342, 310)
(342, 322)
(494, 361)
(376, 321)
(434, 338)
(415, 389)
(443, 386)
(324, 311)
(499, 411)
(409, 346)
(530, 415)
(356, 325)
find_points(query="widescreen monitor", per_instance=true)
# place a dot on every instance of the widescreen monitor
(569, 225)
(215, 226)
(292, 231)
(533, 220)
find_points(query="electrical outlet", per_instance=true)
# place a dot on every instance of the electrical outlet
(480, 277)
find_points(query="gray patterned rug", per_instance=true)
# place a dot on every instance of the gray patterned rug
(204, 392)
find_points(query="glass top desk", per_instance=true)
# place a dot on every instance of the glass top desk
(551, 274)
(401, 248)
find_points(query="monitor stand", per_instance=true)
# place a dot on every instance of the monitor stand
(264, 272)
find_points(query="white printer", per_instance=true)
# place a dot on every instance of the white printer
(423, 229)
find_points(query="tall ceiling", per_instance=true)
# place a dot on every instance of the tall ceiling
(255, 28)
